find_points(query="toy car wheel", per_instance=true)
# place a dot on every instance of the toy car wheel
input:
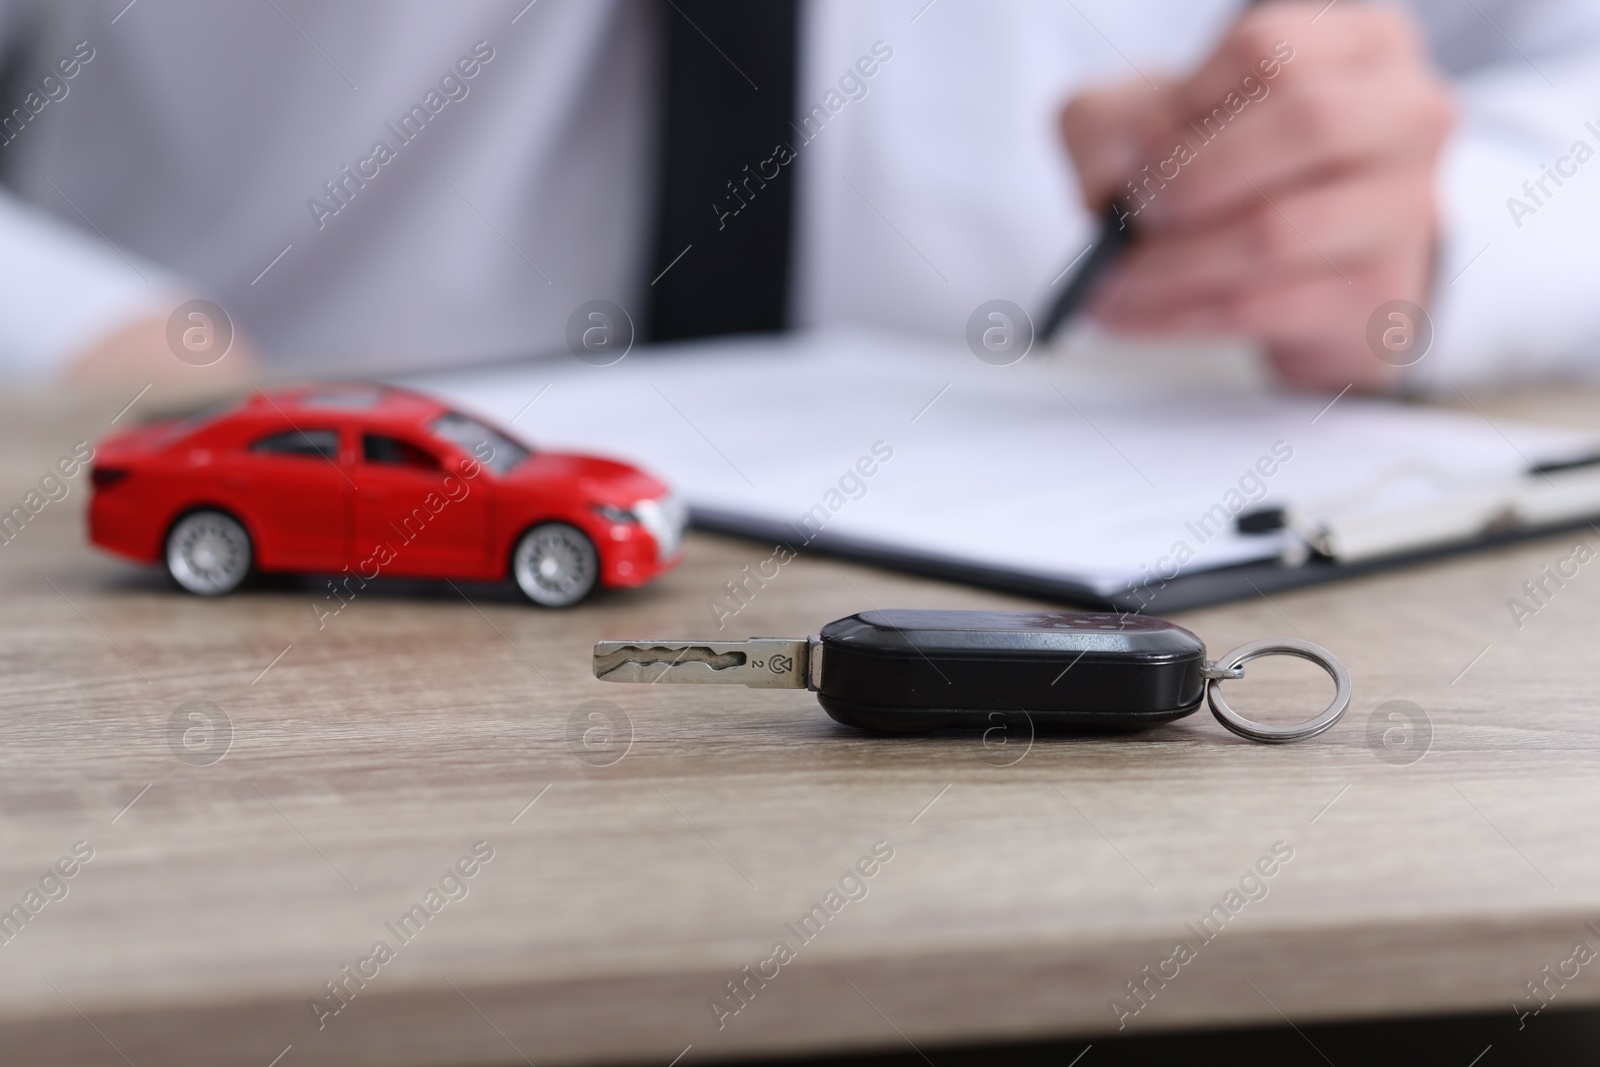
(555, 565)
(208, 553)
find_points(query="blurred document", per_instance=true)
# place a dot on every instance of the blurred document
(1062, 473)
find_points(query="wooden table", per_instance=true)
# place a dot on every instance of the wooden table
(631, 882)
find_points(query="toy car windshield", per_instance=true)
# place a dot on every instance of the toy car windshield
(497, 451)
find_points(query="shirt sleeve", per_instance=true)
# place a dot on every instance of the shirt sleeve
(63, 288)
(1514, 294)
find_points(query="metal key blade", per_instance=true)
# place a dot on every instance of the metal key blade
(760, 662)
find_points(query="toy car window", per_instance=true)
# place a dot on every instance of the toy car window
(324, 443)
(494, 449)
(393, 452)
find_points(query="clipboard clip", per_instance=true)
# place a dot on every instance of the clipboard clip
(1359, 526)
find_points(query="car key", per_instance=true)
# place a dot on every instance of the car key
(910, 671)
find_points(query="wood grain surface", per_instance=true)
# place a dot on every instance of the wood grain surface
(636, 872)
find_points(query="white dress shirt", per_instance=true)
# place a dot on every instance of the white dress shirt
(189, 154)
(185, 157)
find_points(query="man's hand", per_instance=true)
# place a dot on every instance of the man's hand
(1284, 190)
(143, 352)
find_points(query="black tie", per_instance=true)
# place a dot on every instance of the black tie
(721, 258)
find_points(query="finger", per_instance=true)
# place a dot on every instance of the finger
(1288, 310)
(1313, 329)
(1278, 310)
(1305, 311)
(1296, 135)
(1333, 226)
(1105, 131)
(1279, 41)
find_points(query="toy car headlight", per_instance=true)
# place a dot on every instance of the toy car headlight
(664, 519)
(612, 513)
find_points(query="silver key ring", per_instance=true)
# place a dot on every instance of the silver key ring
(1232, 666)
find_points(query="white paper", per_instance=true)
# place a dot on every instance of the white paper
(1041, 468)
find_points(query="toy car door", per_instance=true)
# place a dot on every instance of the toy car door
(294, 493)
(415, 517)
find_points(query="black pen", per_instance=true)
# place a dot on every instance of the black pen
(1113, 236)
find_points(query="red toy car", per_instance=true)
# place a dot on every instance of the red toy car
(374, 480)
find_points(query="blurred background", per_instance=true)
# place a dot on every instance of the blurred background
(375, 186)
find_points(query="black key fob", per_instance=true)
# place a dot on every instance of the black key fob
(912, 671)
(907, 671)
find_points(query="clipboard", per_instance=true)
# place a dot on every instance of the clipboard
(1197, 589)
(1063, 481)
